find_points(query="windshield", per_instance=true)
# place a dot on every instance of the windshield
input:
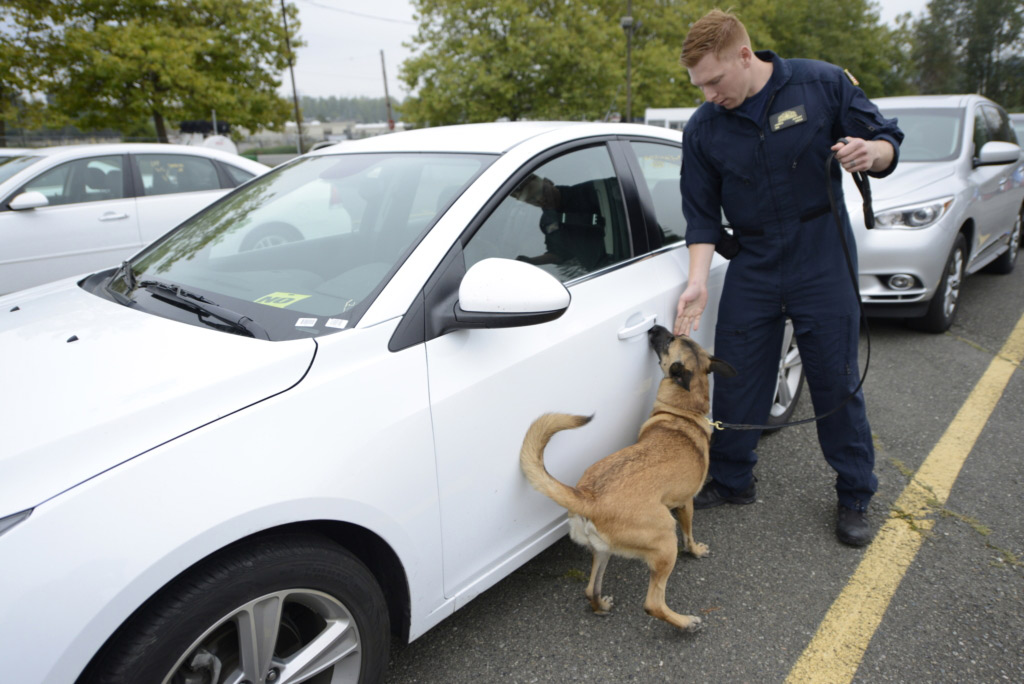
(12, 165)
(931, 134)
(303, 250)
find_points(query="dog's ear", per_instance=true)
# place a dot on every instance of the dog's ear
(680, 375)
(721, 367)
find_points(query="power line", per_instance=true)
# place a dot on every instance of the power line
(359, 14)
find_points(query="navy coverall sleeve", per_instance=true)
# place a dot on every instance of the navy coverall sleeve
(701, 188)
(860, 118)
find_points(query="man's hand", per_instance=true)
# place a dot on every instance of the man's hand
(859, 155)
(691, 306)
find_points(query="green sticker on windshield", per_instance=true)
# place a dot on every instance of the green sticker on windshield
(281, 299)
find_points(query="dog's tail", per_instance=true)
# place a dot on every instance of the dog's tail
(531, 458)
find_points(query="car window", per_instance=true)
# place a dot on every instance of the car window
(237, 175)
(660, 165)
(998, 125)
(982, 131)
(931, 134)
(12, 165)
(164, 174)
(82, 180)
(566, 216)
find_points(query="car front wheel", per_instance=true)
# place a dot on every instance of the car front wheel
(943, 307)
(289, 608)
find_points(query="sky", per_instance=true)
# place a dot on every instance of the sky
(344, 40)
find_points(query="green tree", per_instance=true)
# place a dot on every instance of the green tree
(479, 61)
(118, 63)
(971, 46)
(19, 66)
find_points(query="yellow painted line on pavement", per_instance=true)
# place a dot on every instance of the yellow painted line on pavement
(837, 648)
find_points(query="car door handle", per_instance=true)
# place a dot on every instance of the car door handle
(112, 216)
(638, 329)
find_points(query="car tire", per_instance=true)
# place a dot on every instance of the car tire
(321, 606)
(1005, 263)
(790, 381)
(946, 300)
(270, 235)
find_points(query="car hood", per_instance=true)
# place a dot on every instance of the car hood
(909, 182)
(86, 384)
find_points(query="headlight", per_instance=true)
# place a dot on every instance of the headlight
(914, 216)
(12, 520)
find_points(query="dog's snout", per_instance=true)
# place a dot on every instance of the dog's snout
(659, 337)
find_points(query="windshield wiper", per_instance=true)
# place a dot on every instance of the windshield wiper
(203, 307)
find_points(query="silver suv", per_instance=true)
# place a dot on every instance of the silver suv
(953, 206)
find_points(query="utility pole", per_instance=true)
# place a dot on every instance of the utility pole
(627, 26)
(291, 69)
(387, 98)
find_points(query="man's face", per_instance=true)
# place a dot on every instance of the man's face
(725, 79)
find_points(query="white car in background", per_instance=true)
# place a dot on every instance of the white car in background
(225, 465)
(953, 206)
(78, 208)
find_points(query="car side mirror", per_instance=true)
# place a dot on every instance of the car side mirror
(996, 152)
(502, 293)
(28, 200)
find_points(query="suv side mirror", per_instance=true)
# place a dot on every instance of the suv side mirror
(995, 152)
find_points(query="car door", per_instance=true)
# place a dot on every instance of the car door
(996, 200)
(90, 223)
(173, 187)
(567, 214)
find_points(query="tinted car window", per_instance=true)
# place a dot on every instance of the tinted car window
(982, 131)
(566, 217)
(660, 165)
(82, 180)
(164, 174)
(998, 125)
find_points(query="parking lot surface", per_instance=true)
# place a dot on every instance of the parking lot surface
(955, 612)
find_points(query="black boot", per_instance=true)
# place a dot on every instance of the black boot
(710, 496)
(852, 527)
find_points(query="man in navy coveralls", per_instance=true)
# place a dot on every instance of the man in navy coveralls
(756, 149)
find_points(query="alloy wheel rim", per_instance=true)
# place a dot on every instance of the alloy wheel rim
(296, 635)
(790, 372)
(953, 279)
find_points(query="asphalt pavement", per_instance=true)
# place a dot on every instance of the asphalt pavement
(776, 569)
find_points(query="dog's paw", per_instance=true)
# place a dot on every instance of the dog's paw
(602, 605)
(697, 550)
(695, 624)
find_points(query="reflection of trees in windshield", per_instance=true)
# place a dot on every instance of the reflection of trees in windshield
(205, 230)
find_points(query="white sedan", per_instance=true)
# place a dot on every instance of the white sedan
(74, 209)
(224, 464)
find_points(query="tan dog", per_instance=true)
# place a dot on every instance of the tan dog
(623, 504)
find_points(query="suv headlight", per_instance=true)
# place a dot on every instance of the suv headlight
(913, 216)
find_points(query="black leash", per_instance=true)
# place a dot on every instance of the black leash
(861, 180)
